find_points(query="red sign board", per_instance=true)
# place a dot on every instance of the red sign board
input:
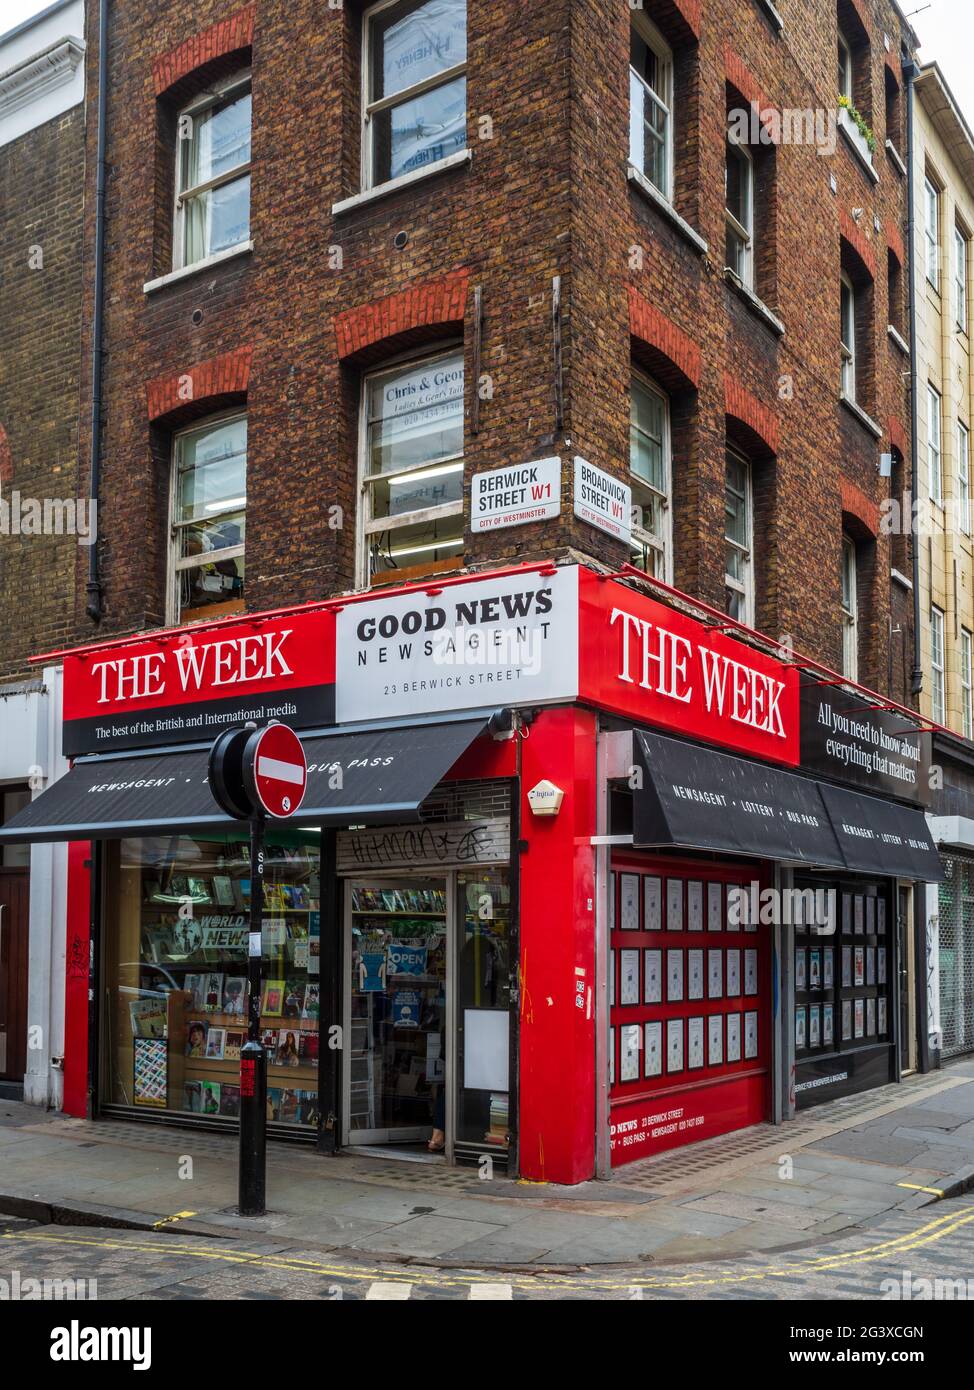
(278, 772)
(191, 685)
(657, 666)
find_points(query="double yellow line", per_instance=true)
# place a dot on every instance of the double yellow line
(885, 1250)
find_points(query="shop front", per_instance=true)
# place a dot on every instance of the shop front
(529, 908)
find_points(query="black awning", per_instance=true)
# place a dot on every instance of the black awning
(360, 777)
(694, 798)
(881, 837)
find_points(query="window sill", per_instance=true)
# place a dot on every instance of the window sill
(777, 23)
(184, 272)
(651, 192)
(386, 190)
(898, 339)
(865, 420)
(864, 158)
(901, 579)
(756, 305)
(895, 158)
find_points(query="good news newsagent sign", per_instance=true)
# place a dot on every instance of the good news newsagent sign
(533, 637)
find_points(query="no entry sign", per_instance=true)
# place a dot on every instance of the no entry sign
(275, 770)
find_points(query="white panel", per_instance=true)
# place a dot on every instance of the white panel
(485, 1049)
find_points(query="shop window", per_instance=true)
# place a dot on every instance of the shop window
(847, 337)
(961, 253)
(213, 173)
(651, 105)
(935, 464)
(208, 519)
(964, 477)
(412, 469)
(938, 695)
(415, 86)
(931, 232)
(845, 983)
(966, 683)
(650, 478)
(739, 212)
(739, 565)
(176, 968)
(850, 610)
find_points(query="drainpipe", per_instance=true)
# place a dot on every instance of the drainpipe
(910, 72)
(93, 588)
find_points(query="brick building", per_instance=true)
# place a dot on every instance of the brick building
(362, 265)
(336, 272)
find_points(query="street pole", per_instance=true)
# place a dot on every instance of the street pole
(253, 1058)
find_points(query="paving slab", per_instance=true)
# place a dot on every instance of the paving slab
(750, 1208)
(426, 1236)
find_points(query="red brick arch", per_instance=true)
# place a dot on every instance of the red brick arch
(661, 345)
(226, 36)
(217, 377)
(742, 405)
(863, 512)
(403, 318)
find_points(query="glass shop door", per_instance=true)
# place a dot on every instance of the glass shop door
(397, 934)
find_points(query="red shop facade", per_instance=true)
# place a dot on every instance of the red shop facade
(532, 900)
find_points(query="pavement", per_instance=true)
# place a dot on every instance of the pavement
(866, 1161)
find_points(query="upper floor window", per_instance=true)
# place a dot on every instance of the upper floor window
(739, 212)
(938, 700)
(966, 683)
(415, 97)
(931, 231)
(847, 336)
(651, 105)
(412, 468)
(964, 476)
(650, 469)
(207, 515)
(850, 610)
(739, 566)
(213, 173)
(845, 68)
(934, 450)
(960, 279)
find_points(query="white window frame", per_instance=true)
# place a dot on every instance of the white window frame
(844, 62)
(176, 562)
(847, 349)
(744, 233)
(935, 453)
(366, 524)
(213, 96)
(744, 587)
(960, 279)
(931, 231)
(371, 109)
(964, 476)
(660, 545)
(938, 683)
(850, 609)
(653, 39)
(967, 682)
